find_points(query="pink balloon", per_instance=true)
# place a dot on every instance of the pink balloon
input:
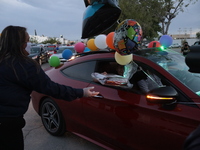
(79, 47)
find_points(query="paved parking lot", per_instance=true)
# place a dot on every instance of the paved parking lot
(37, 138)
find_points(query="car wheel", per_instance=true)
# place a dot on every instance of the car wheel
(52, 118)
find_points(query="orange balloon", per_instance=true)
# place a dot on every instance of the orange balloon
(110, 40)
(91, 45)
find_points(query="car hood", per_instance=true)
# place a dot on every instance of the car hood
(59, 55)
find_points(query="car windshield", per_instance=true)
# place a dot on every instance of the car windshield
(61, 49)
(50, 48)
(34, 50)
(174, 63)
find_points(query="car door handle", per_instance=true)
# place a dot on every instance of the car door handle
(98, 96)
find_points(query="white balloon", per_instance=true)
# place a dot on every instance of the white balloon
(100, 41)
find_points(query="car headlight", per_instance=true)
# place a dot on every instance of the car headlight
(35, 57)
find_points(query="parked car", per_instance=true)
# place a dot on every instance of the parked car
(175, 45)
(197, 43)
(59, 51)
(51, 49)
(121, 117)
(39, 54)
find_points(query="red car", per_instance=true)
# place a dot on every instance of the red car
(123, 117)
(51, 49)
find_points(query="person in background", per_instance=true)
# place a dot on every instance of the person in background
(185, 49)
(19, 76)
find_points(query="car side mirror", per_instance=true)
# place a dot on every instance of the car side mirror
(162, 95)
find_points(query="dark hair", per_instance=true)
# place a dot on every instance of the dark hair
(12, 41)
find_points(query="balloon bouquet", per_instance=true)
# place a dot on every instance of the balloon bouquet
(127, 37)
(98, 17)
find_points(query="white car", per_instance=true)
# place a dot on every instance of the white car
(175, 45)
(60, 51)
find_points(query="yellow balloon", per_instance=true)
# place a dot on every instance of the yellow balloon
(91, 45)
(123, 60)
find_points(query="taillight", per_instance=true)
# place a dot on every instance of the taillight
(55, 52)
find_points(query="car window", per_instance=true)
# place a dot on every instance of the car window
(197, 43)
(35, 50)
(181, 95)
(175, 64)
(110, 73)
(79, 72)
(106, 66)
(50, 48)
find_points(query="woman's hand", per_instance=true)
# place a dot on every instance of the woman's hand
(88, 93)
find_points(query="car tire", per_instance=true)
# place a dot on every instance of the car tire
(52, 118)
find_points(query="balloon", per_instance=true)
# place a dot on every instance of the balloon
(99, 16)
(123, 60)
(166, 40)
(54, 61)
(154, 44)
(86, 49)
(127, 37)
(110, 40)
(100, 41)
(79, 47)
(67, 54)
(91, 45)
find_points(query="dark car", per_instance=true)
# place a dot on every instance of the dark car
(197, 43)
(122, 117)
(39, 54)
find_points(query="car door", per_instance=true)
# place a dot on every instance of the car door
(75, 76)
(125, 119)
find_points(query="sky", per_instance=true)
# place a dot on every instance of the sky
(64, 17)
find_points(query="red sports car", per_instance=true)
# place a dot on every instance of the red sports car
(121, 116)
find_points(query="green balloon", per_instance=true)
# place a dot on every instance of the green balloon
(54, 61)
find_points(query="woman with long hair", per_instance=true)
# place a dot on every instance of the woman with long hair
(19, 76)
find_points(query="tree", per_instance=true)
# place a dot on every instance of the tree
(198, 35)
(33, 40)
(153, 15)
(51, 41)
(170, 9)
(143, 11)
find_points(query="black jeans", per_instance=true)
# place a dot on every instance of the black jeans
(11, 135)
